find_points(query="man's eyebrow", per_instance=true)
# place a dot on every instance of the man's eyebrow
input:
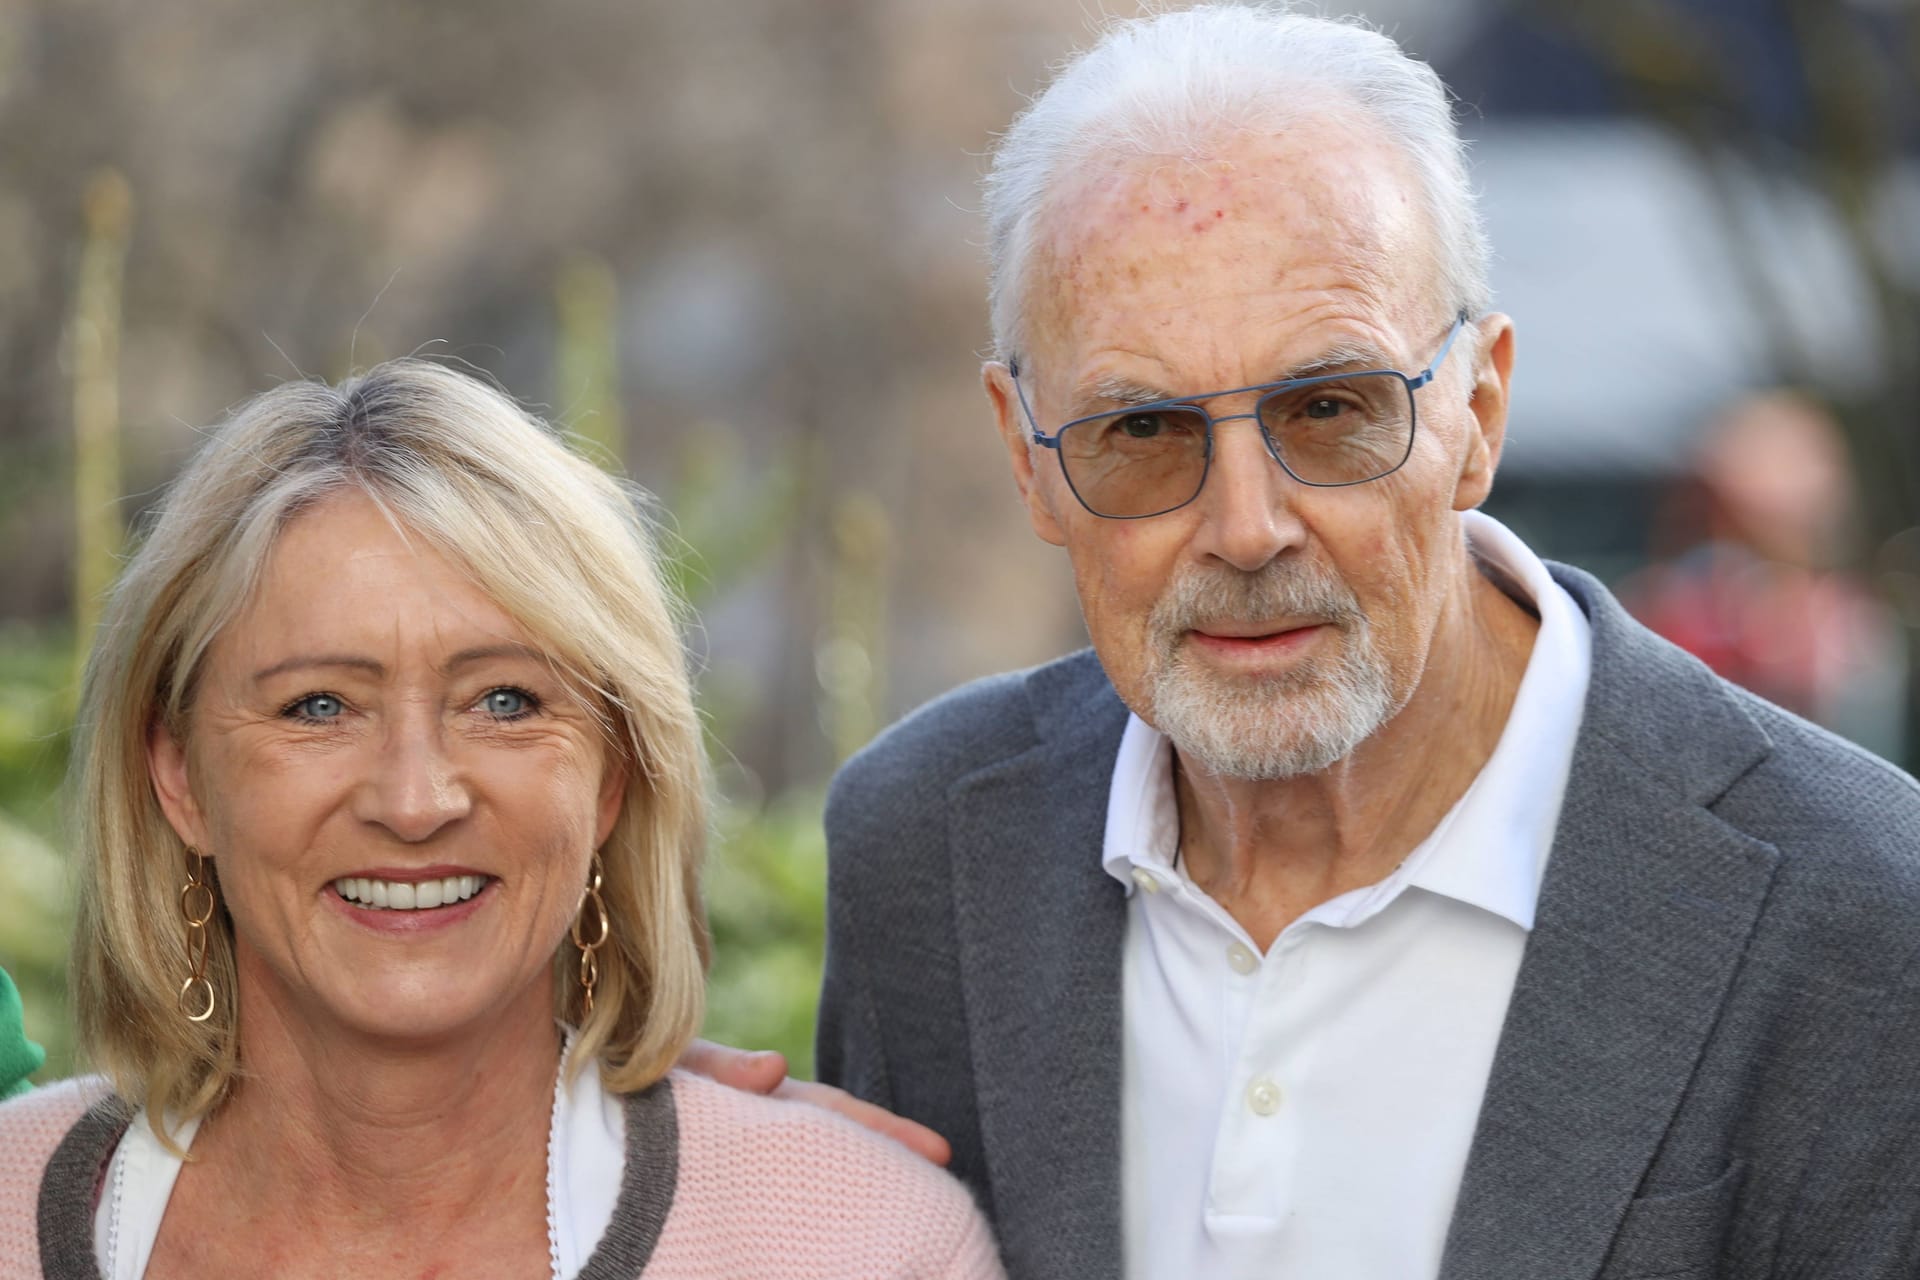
(1110, 389)
(1341, 357)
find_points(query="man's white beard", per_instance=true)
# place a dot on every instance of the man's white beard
(1269, 728)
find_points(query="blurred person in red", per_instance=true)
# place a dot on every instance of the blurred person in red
(1754, 584)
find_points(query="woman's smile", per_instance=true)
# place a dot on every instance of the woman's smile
(412, 908)
(408, 893)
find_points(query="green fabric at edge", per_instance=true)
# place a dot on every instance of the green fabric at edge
(19, 1056)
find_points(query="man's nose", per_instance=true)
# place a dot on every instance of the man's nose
(1246, 509)
(416, 787)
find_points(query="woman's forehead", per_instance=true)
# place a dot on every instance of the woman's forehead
(344, 579)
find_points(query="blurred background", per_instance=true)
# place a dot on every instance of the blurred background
(736, 245)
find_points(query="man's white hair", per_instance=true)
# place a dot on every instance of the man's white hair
(1170, 83)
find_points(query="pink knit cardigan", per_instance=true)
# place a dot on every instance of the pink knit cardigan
(764, 1188)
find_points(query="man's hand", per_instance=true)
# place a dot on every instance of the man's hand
(765, 1072)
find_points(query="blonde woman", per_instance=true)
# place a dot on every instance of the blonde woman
(391, 803)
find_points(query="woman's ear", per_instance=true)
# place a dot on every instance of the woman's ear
(613, 794)
(169, 768)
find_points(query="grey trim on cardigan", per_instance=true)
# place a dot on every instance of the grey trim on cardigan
(639, 1214)
(67, 1190)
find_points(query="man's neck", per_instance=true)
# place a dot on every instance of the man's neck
(1271, 851)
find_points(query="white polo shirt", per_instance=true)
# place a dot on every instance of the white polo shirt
(1307, 1113)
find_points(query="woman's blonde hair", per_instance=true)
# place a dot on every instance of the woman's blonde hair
(556, 542)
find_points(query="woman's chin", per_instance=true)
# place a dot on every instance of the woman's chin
(420, 994)
(422, 1007)
(403, 977)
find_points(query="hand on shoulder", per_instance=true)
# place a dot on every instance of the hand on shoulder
(832, 1196)
(765, 1073)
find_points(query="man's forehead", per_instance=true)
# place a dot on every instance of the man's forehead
(1313, 153)
(1316, 209)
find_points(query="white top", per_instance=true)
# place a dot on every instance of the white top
(586, 1160)
(1308, 1112)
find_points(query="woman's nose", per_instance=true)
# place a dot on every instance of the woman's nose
(415, 787)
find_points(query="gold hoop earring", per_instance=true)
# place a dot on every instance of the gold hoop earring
(589, 965)
(196, 906)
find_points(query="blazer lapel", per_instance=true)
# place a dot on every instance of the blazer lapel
(1041, 932)
(1644, 915)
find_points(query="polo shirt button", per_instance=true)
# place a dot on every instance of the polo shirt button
(1146, 881)
(1242, 959)
(1263, 1097)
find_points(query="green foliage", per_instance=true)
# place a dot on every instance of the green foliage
(767, 870)
(766, 896)
(37, 682)
(36, 707)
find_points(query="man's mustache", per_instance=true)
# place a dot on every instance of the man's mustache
(1295, 592)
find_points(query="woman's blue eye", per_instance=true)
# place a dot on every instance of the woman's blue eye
(507, 704)
(318, 706)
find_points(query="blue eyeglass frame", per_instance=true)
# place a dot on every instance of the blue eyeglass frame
(1414, 383)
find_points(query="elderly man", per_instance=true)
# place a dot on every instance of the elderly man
(1374, 900)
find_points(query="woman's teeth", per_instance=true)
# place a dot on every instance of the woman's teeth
(408, 895)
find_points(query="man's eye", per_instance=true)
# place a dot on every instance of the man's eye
(1154, 424)
(1324, 408)
(507, 704)
(317, 706)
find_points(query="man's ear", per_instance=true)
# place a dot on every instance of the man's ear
(1016, 435)
(1492, 378)
(167, 766)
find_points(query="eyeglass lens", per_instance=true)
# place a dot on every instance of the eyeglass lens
(1142, 462)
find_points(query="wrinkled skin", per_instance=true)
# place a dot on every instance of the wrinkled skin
(1234, 268)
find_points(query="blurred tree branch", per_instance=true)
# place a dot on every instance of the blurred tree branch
(93, 336)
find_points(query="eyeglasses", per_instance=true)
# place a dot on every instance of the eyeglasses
(1149, 459)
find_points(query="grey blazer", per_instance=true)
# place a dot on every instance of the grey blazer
(1710, 1066)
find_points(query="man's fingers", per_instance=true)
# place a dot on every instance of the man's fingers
(916, 1138)
(758, 1072)
(766, 1072)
